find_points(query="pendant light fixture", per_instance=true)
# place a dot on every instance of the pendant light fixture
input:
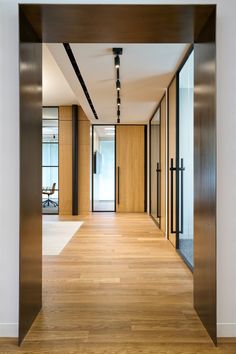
(117, 52)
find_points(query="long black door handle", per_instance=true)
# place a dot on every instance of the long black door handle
(181, 169)
(158, 170)
(118, 185)
(172, 169)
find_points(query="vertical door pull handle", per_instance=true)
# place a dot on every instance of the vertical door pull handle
(172, 169)
(118, 185)
(158, 170)
(181, 169)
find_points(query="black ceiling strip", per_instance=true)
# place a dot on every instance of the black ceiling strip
(79, 76)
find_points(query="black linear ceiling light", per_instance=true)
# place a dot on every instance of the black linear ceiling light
(117, 52)
(80, 77)
(117, 61)
(118, 85)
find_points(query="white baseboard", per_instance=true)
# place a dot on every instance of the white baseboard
(226, 329)
(9, 330)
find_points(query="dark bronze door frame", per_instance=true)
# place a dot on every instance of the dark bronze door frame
(116, 24)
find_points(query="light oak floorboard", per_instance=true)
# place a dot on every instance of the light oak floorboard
(117, 288)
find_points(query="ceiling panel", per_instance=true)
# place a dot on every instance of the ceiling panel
(145, 72)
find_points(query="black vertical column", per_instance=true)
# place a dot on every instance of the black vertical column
(75, 168)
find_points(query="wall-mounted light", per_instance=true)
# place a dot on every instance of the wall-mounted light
(117, 52)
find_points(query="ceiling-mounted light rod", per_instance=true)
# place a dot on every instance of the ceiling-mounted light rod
(117, 52)
(118, 85)
(117, 61)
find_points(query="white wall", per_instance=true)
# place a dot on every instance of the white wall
(9, 162)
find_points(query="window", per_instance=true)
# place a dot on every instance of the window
(50, 161)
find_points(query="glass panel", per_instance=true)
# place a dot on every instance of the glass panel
(50, 112)
(186, 105)
(155, 160)
(50, 159)
(50, 123)
(50, 134)
(50, 154)
(50, 176)
(104, 168)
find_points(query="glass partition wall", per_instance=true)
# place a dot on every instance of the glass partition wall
(185, 160)
(103, 168)
(50, 202)
(155, 181)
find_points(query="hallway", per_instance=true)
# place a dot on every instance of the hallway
(118, 287)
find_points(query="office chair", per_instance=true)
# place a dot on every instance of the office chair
(49, 192)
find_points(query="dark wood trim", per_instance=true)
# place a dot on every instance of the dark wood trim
(117, 24)
(30, 242)
(53, 23)
(75, 160)
(205, 298)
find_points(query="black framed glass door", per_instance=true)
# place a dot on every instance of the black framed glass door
(185, 161)
(155, 169)
(103, 168)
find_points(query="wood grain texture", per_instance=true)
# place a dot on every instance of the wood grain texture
(172, 154)
(30, 257)
(117, 23)
(118, 287)
(130, 159)
(65, 113)
(84, 162)
(205, 179)
(163, 164)
(65, 160)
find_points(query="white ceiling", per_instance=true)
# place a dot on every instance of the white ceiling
(145, 72)
(56, 90)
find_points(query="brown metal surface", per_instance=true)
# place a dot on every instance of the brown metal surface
(124, 24)
(121, 24)
(30, 177)
(205, 180)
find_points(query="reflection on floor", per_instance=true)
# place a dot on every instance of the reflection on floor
(186, 248)
(104, 205)
(56, 235)
(118, 287)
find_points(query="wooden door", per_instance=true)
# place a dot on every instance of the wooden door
(130, 168)
(172, 161)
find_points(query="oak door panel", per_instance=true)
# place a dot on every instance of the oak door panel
(130, 172)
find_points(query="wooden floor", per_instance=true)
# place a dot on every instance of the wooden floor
(117, 288)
